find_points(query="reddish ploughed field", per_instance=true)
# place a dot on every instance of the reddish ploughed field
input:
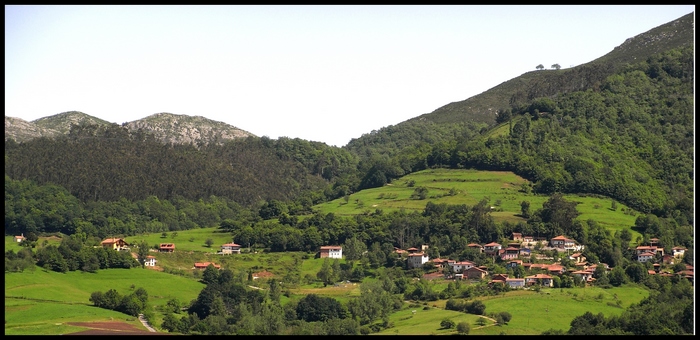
(110, 328)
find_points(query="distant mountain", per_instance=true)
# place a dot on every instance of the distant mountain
(21, 130)
(61, 122)
(183, 129)
(165, 127)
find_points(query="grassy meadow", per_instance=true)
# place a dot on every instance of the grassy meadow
(502, 188)
(426, 322)
(186, 240)
(534, 313)
(42, 300)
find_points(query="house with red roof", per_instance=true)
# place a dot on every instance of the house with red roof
(644, 257)
(542, 279)
(510, 253)
(515, 283)
(584, 275)
(166, 247)
(475, 273)
(458, 267)
(204, 265)
(230, 248)
(562, 242)
(20, 238)
(115, 243)
(492, 248)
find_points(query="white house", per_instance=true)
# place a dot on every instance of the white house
(333, 252)
(416, 260)
(678, 252)
(515, 283)
(458, 267)
(230, 248)
(584, 275)
(644, 257)
(150, 261)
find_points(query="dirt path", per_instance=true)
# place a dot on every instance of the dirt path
(146, 324)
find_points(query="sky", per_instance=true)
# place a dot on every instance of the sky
(326, 73)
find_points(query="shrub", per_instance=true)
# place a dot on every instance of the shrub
(463, 328)
(447, 324)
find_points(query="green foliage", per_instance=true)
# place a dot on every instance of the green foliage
(447, 324)
(319, 308)
(463, 328)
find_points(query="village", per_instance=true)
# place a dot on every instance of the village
(518, 252)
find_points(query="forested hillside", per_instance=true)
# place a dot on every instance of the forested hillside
(107, 163)
(484, 107)
(632, 140)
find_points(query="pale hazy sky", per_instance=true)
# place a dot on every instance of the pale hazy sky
(321, 73)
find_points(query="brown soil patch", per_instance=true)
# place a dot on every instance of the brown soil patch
(110, 328)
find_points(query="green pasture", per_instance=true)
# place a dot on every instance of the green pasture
(427, 321)
(502, 188)
(29, 317)
(186, 240)
(533, 313)
(11, 244)
(43, 298)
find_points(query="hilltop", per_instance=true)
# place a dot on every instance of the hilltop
(165, 127)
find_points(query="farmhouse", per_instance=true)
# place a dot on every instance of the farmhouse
(416, 260)
(333, 252)
(150, 261)
(499, 278)
(542, 279)
(556, 269)
(517, 237)
(492, 248)
(204, 265)
(115, 243)
(562, 242)
(475, 273)
(458, 267)
(644, 257)
(584, 275)
(649, 249)
(678, 252)
(515, 283)
(441, 263)
(510, 253)
(19, 238)
(230, 248)
(166, 247)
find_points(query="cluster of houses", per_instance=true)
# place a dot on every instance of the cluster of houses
(519, 248)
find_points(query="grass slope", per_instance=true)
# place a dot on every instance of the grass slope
(502, 188)
(38, 301)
